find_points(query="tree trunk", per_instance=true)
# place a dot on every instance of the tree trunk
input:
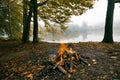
(24, 20)
(35, 25)
(26, 23)
(108, 35)
(10, 27)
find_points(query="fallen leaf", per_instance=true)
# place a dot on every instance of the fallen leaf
(94, 61)
(30, 76)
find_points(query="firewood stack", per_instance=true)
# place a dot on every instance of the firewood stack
(67, 60)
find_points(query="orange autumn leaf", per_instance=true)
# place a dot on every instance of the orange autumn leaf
(30, 76)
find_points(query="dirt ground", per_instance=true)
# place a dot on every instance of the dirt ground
(32, 61)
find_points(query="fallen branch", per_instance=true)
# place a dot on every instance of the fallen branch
(56, 65)
(64, 71)
(84, 61)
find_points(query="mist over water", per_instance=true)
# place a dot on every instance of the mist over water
(89, 26)
(84, 33)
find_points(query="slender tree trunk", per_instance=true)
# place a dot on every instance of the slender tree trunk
(108, 35)
(35, 27)
(26, 28)
(10, 27)
(28, 24)
(24, 20)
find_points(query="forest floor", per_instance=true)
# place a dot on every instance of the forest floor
(31, 61)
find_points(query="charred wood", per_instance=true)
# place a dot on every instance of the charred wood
(81, 59)
(64, 71)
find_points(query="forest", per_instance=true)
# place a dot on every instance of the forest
(24, 55)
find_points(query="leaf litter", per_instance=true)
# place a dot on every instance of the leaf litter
(31, 61)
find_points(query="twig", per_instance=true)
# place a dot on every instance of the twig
(9, 76)
(84, 61)
(56, 65)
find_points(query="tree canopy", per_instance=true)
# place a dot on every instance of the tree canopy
(53, 12)
(60, 11)
(57, 12)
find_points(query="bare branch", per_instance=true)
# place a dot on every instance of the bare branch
(117, 1)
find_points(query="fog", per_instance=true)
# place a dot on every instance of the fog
(89, 26)
(83, 33)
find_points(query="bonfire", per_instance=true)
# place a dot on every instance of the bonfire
(67, 60)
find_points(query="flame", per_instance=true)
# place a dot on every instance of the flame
(71, 51)
(63, 47)
(61, 50)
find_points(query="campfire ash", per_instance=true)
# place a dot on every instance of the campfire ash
(67, 60)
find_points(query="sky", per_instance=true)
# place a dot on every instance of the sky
(97, 14)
